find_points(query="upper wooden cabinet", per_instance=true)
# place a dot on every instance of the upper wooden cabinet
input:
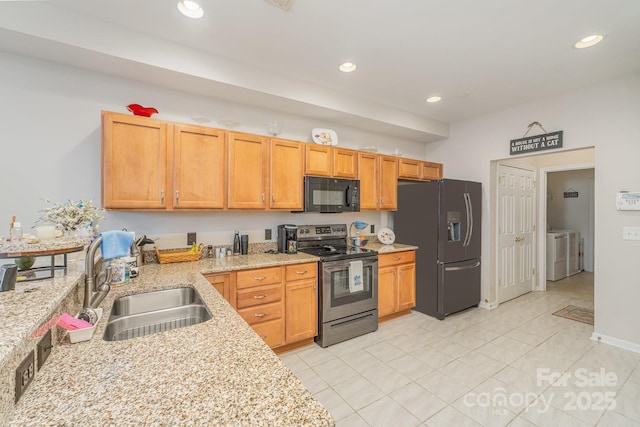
(432, 171)
(417, 170)
(152, 164)
(369, 175)
(345, 163)
(158, 165)
(134, 162)
(199, 168)
(318, 160)
(388, 183)
(325, 160)
(286, 180)
(248, 171)
(409, 169)
(378, 176)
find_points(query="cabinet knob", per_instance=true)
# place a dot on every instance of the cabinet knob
(273, 197)
(162, 196)
(177, 197)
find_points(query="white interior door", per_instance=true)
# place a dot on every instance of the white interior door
(516, 231)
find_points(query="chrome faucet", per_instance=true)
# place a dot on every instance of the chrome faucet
(97, 284)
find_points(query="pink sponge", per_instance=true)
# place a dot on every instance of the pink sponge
(71, 323)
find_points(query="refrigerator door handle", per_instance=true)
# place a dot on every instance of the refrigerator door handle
(467, 205)
(466, 267)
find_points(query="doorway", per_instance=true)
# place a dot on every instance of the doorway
(542, 164)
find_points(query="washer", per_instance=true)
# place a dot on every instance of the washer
(556, 255)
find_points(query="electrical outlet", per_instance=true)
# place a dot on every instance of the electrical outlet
(267, 234)
(191, 238)
(24, 375)
(44, 349)
(372, 228)
(631, 233)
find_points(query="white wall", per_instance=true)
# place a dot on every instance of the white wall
(604, 116)
(50, 122)
(572, 213)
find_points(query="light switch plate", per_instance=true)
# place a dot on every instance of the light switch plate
(631, 233)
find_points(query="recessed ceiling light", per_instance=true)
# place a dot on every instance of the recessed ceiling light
(433, 99)
(190, 8)
(589, 41)
(347, 67)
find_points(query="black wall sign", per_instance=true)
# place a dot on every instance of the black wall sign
(547, 141)
(570, 194)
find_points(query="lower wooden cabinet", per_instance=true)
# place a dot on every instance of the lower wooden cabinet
(280, 303)
(301, 308)
(396, 283)
(222, 283)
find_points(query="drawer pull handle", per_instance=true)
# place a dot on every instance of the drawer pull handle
(302, 272)
(260, 278)
(397, 258)
(264, 337)
(260, 296)
(261, 314)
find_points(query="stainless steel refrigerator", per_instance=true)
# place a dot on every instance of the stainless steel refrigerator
(442, 218)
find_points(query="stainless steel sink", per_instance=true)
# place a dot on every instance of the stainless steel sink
(151, 312)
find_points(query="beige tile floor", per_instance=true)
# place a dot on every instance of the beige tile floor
(517, 365)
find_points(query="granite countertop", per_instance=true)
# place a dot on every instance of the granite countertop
(216, 372)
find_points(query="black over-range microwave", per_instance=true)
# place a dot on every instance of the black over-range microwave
(331, 195)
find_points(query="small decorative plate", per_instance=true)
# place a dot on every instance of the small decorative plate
(324, 136)
(386, 236)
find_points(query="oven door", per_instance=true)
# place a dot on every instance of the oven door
(337, 299)
(331, 195)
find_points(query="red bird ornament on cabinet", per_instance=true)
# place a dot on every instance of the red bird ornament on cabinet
(139, 110)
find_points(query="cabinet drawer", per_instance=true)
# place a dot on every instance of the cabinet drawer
(396, 258)
(258, 295)
(301, 271)
(261, 313)
(258, 277)
(270, 332)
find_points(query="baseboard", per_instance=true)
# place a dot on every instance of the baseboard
(616, 342)
(488, 305)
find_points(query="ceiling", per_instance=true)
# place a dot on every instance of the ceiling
(480, 56)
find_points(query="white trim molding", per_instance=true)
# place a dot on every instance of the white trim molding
(616, 342)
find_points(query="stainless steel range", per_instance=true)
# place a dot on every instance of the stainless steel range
(348, 282)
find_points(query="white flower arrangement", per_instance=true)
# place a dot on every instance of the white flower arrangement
(72, 215)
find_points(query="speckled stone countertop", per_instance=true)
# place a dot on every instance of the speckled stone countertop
(215, 373)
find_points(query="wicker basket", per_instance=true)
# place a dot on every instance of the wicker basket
(176, 255)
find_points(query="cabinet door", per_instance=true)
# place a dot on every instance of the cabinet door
(369, 185)
(431, 171)
(387, 291)
(134, 162)
(409, 169)
(286, 175)
(248, 170)
(388, 183)
(406, 286)
(221, 283)
(345, 163)
(301, 313)
(318, 160)
(199, 172)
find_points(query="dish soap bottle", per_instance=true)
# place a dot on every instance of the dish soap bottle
(236, 243)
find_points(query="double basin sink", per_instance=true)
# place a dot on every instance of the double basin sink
(152, 312)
